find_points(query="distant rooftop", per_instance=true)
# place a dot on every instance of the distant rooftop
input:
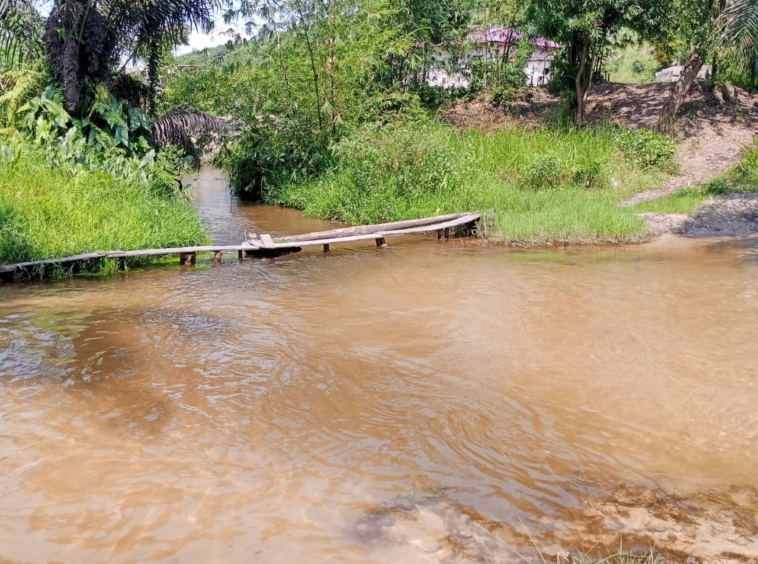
(507, 36)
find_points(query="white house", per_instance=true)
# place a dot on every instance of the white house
(486, 44)
(495, 41)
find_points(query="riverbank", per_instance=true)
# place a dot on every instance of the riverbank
(49, 211)
(544, 186)
(712, 191)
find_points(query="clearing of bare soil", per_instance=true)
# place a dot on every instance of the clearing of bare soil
(724, 215)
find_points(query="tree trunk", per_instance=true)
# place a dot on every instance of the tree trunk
(581, 83)
(679, 93)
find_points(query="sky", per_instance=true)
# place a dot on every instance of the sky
(199, 41)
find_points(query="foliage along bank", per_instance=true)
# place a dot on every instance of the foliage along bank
(87, 163)
(330, 126)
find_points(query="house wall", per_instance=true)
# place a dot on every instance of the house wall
(536, 70)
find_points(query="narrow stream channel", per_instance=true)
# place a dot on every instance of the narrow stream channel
(424, 402)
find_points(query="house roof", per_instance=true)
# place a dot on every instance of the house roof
(504, 35)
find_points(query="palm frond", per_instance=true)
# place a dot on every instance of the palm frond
(20, 32)
(177, 125)
(738, 26)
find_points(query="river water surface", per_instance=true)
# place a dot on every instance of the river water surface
(423, 402)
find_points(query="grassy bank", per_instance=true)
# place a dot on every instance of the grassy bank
(53, 211)
(535, 187)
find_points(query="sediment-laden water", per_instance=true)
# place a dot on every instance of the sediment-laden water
(423, 402)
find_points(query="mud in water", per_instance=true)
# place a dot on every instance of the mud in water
(423, 402)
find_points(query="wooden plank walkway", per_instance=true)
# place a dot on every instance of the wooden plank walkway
(260, 245)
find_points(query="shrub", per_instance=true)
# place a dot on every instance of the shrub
(716, 186)
(638, 67)
(748, 167)
(543, 171)
(589, 172)
(647, 149)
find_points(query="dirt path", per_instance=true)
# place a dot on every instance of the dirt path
(725, 215)
(713, 133)
(711, 153)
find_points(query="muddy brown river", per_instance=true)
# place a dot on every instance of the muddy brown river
(423, 402)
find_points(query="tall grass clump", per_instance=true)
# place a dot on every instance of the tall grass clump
(53, 211)
(543, 186)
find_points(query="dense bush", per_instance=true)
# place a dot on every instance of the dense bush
(648, 149)
(543, 171)
(417, 169)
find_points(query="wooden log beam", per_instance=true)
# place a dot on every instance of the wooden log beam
(368, 229)
(463, 220)
(267, 241)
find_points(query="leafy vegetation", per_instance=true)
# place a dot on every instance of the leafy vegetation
(634, 64)
(82, 149)
(51, 211)
(648, 149)
(414, 170)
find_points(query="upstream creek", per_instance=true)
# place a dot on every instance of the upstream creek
(423, 402)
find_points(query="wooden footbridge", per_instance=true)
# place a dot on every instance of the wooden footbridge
(255, 245)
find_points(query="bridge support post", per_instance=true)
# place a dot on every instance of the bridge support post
(380, 242)
(326, 247)
(187, 259)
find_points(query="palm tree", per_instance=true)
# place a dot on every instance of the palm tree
(738, 25)
(85, 39)
(732, 30)
(20, 32)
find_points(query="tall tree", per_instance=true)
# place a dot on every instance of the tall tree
(84, 39)
(695, 23)
(584, 27)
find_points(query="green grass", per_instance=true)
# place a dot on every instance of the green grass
(635, 64)
(684, 201)
(50, 212)
(535, 187)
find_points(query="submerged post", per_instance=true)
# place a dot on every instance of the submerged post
(380, 242)
(187, 259)
(326, 247)
(7, 276)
